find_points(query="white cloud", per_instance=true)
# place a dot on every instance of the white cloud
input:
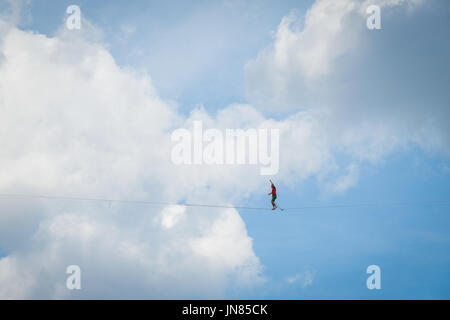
(313, 47)
(129, 261)
(348, 180)
(304, 279)
(170, 216)
(15, 284)
(305, 51)
(302, 51)
(367, 105)
(74, 123)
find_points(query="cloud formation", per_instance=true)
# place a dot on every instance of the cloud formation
(75, 123)
(372, 92)
(303, 279)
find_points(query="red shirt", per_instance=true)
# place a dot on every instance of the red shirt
(274, 190)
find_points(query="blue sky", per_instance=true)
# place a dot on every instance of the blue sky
(409, 243)
(387, 93)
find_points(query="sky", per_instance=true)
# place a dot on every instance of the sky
(362, 115)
